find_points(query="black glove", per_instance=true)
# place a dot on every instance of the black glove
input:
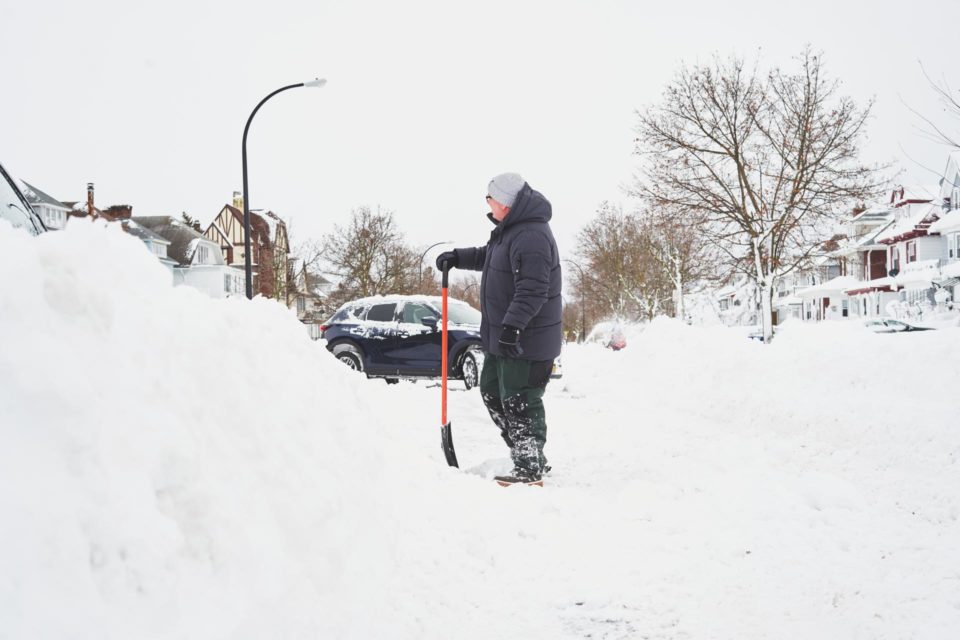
(510, 342)
(450, 257)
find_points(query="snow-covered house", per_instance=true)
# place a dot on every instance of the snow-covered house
(53, 212)
(898, 258)
(948, 228)
(865, 258)
(198, 260)
(155, 243)
(737, 303)
(788, 300)
(309, 296)
(828, 300)
(269, 245)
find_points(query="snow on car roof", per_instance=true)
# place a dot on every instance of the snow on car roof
(381, 299)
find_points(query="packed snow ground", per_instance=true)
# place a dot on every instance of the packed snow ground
(180, 467)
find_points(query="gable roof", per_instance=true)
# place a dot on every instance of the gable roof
(132, 227)
(907, 194)
(917, 220)
(947, 223)
(258, 226)
(183, 238)
(951, 176)
(36, 196)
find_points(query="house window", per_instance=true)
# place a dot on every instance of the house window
(846, 308)
(953, 244)
(955, 198)
(911, 251)
(894, 258)
(203, 254)
(228, 283)
(301, 305)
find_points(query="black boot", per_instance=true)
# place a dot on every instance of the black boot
(520, 476)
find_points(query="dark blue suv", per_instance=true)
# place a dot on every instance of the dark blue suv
(395, 337)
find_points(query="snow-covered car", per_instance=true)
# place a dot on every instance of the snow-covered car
(15, 209)
(889, 325)
(396, 337)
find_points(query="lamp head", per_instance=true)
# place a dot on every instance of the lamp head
(316, 82)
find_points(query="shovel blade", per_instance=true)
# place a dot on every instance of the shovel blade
(447, 440)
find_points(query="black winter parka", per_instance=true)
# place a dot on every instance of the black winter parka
(521, 280)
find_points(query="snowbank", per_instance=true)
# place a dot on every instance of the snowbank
(182, 467)
(178, 466)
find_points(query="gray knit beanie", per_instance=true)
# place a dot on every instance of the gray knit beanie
(505, 187)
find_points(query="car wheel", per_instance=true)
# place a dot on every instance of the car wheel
(349, 355)
(471, 370)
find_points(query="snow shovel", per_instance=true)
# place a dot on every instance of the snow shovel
(446, 435)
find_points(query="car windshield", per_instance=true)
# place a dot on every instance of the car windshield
(13, 209)
(461, 313)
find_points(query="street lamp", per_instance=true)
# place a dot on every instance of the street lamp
(247, 258)
(583, 306)
(424, 255)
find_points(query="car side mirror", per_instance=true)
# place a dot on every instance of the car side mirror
(430, 321)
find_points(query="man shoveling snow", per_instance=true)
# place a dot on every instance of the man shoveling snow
(521, 329)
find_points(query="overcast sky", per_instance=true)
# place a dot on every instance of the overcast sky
(425, 101)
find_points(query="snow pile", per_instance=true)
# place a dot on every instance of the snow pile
(178, 466)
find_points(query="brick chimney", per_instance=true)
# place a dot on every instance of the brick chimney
(238, 200)
(90, 199)
(118, 212)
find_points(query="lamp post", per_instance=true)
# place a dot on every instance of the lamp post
(247, 258)
(583, 306)
(424, 255)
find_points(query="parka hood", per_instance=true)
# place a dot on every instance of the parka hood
(530, 206)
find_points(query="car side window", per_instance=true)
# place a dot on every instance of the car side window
(414, 312)
(382, 312)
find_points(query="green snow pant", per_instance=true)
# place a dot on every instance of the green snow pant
(512, 390)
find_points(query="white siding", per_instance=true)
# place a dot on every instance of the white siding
(931, 248)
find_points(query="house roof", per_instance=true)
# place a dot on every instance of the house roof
(951, 175)
(273, 222)
(36, 196)
(836, 285)
(905, 194)
(315, 283)
(874, 215)
(183, 238)
(948, 222)
(258, 225)
(864, 242)
(132, 227)
(916, 221)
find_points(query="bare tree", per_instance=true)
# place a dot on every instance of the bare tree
(951, 105)
(368, 257)
(681, 249)
(466, 288)
(770, 162)
(620, 275)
